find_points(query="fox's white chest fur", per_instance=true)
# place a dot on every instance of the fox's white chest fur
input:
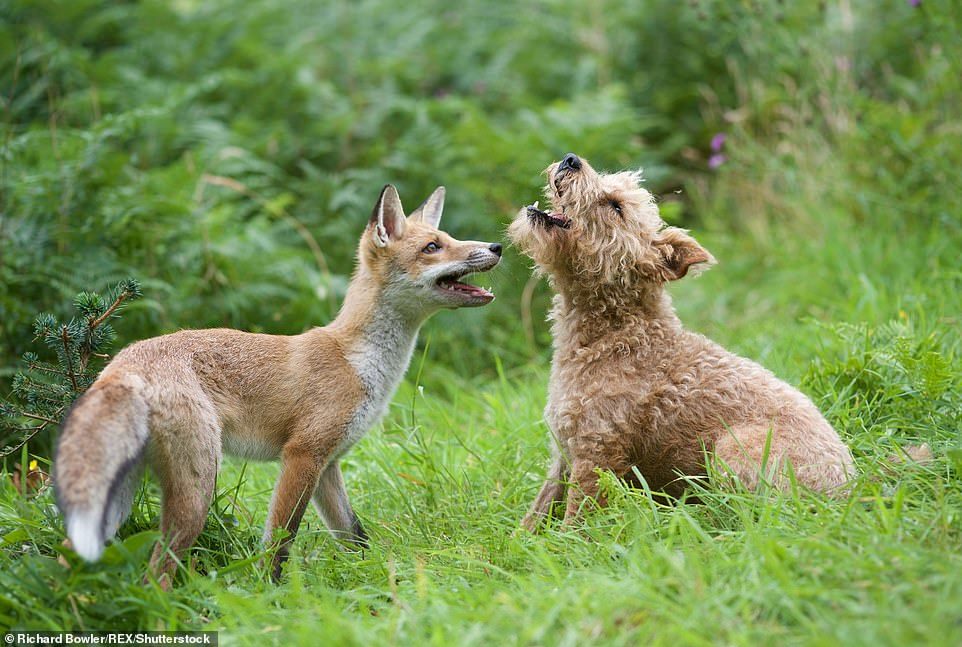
(381, 358)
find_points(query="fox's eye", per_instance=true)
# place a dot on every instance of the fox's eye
(616, 206)
(431, 247)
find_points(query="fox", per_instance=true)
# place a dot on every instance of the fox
(178, 402)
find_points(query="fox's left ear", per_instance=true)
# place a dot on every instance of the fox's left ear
(677, 253)
(387, 219)
(430, 210)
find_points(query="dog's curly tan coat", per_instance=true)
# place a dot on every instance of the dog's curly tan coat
(630, 387)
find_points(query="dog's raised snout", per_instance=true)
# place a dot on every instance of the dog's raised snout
(570, 162)
(496, 248)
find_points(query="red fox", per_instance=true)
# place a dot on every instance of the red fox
(177, 402)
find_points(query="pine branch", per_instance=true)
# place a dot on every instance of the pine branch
(31, 432)
(46, 421)
(42, 391)
(123, 296)
(66, 349)
(45, 369)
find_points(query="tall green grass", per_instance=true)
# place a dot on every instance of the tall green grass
(441, 488)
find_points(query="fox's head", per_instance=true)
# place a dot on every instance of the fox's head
(418, 264)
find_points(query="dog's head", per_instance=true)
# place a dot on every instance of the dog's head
(602, 228)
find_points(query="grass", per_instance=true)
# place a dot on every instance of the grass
(442, 484)
(834, 218)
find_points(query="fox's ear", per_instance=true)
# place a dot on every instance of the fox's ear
(387, 219)
(430, 210)
(677, 252)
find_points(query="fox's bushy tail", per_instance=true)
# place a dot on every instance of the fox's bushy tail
(99, 460)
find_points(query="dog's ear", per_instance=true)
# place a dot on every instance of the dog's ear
(387, 219)
(677, 252)
(430, 210)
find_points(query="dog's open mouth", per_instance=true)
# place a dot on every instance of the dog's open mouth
(545, 219)
(451, 286)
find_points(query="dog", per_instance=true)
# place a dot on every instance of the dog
(631, 389)
(177, 402)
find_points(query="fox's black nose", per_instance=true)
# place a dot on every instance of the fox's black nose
(570, 162)
(496, 248)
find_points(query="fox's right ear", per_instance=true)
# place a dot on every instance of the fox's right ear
(387, 219)
(430, 210)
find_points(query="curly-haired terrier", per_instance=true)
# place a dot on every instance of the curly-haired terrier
(630, 387)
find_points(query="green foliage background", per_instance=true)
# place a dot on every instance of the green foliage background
(195, 146)
(226, 154)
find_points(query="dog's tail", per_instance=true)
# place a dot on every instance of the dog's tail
(99, 460)
(920, 454)
(908, 455)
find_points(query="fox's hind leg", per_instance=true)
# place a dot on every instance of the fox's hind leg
(186, 464)
(121, 502)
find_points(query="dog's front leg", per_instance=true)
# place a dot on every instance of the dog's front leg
(300, 470)
(330, 499)
(584, 488)
(551, 492)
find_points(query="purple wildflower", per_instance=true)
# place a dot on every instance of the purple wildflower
(717, 142)
(716, 160)
(914, 3)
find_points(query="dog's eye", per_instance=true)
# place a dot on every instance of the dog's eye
(616, 206)
(431, 247)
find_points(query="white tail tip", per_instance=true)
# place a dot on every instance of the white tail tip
(83, 528)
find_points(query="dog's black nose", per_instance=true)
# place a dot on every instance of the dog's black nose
(496, 248)
(570, 162)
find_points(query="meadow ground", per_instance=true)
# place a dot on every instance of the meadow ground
(442, 485)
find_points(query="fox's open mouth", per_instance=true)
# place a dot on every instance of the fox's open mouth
(547, 220)
(450, 285)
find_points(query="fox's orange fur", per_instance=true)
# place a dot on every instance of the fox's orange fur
(630, 387)
(178, 401)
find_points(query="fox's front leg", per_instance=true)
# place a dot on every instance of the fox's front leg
(330, 499)
(300, 471)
